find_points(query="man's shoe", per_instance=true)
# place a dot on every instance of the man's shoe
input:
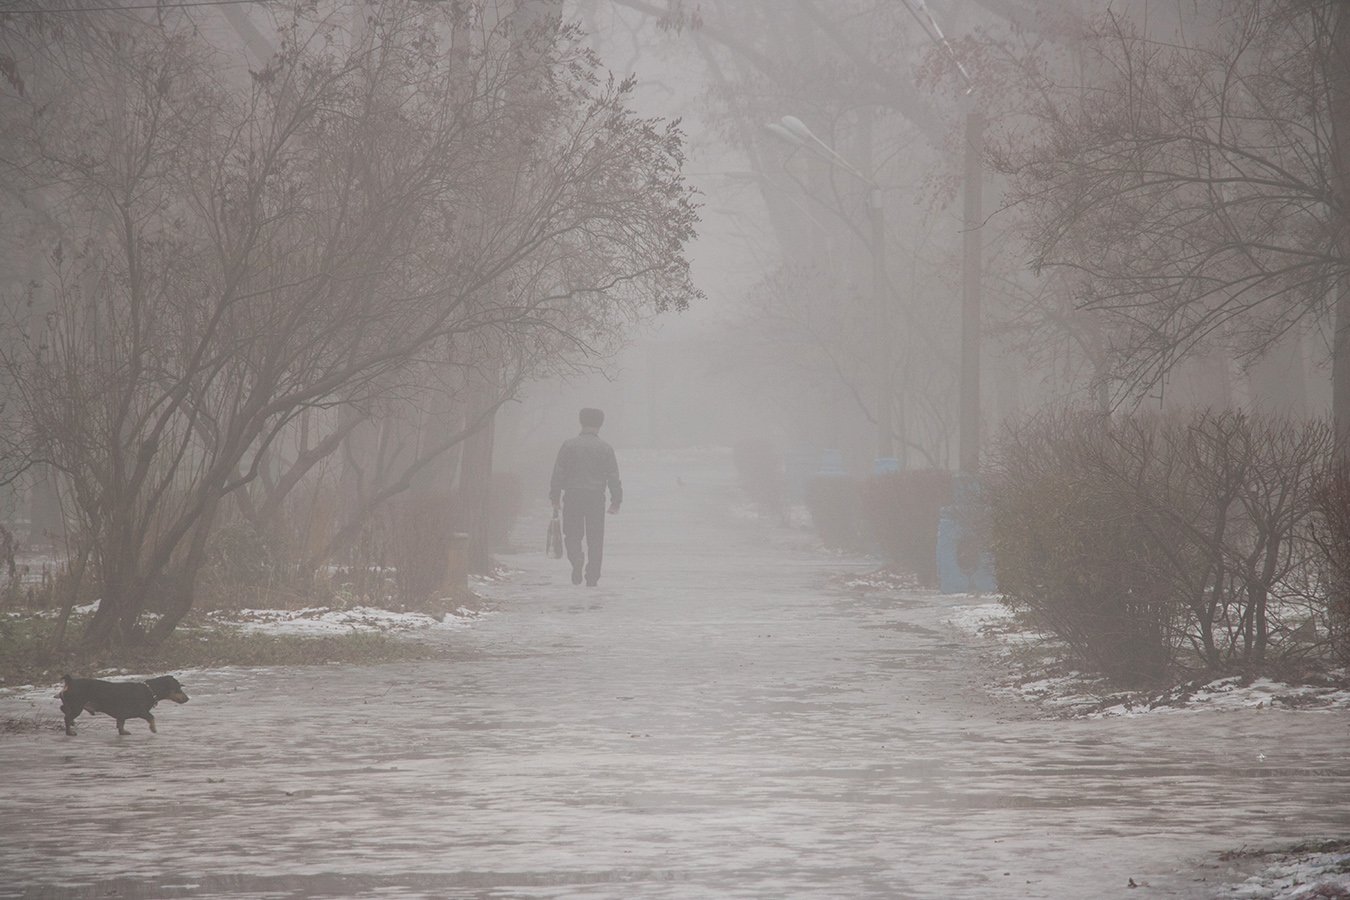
(590, 583)
(576, 574)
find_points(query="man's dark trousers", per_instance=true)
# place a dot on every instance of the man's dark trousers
(583, 516)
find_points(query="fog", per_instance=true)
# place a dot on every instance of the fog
(862, 282)
(785, 345)
(956, 392)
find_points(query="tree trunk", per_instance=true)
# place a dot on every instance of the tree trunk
(183, 586)
(72, 594)
(118, 596)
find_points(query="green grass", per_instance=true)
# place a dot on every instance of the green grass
(25, 648)
(222, 645)
(27, 655)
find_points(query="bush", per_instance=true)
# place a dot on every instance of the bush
(1152, 544)
(419, 552)
(1071, 547)
(835, 510)
(1330, 533)
(10, 583)
(760, 468)
(901, 511)
(242, 564)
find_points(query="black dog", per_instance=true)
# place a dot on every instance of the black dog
(120, 699)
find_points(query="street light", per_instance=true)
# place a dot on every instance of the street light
(971, 295)
(793, 130)
(977, 575)
(972, 249)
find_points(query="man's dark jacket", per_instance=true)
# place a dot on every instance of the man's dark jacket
(586, 463)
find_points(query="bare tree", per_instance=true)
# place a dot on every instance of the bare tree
(1190, 190)
(303, 242)
(865, 77)
(801, 336)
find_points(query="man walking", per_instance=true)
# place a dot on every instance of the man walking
(586, 465)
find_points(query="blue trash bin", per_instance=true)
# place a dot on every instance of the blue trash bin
(964, 567)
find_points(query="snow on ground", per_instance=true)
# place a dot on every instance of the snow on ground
(1303, 873)
(319, 621)
(316, 621)
(1030, 669)
(1034, 673)
(87, 609)
(876, 581)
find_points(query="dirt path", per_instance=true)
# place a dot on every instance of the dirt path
(709, 722)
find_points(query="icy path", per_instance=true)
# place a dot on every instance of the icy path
(709, 722)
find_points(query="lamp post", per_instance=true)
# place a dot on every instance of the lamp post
(971, 294)
(972, 250)
(793, 130)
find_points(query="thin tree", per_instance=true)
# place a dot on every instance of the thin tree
(254, 253)
(1191, 191)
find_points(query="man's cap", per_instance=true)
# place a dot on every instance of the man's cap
(592, 418)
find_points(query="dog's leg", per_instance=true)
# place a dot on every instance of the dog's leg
(122, 726)
(151, 719)
(70, 724)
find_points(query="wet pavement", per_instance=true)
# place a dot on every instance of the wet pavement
(711, 721)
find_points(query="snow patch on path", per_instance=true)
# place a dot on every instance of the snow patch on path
(1305, 873)
(320, 621)
(1035, 674)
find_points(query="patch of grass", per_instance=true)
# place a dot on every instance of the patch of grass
(27, 655)
(26, 648)
(222, 646)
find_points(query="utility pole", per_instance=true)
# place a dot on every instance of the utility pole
(885, 432)
(968, 419)
(971, 294)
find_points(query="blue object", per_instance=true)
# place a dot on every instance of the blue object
(885, 465)
(964, 567)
